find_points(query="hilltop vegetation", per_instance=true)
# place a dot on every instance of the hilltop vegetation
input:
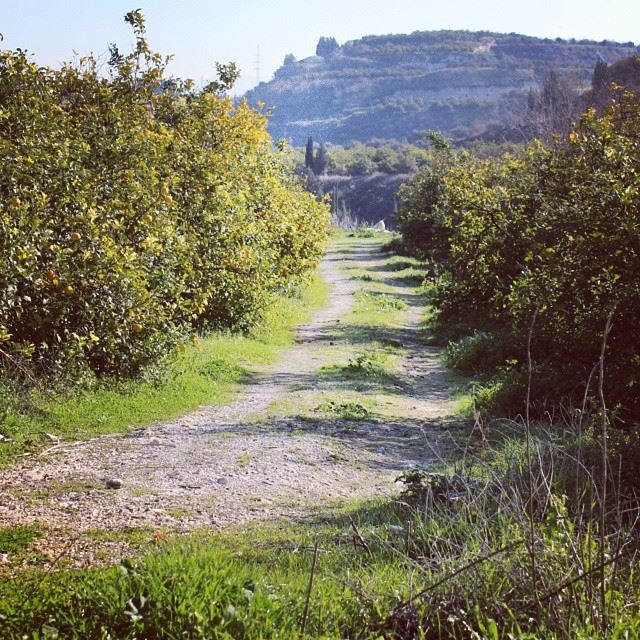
(393, 86)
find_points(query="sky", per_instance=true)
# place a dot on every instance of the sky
(200, 32)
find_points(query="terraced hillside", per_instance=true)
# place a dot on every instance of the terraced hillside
(395, 86)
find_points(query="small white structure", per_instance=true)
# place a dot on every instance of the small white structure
(380, 226)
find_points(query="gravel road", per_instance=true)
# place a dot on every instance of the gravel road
(229, 464)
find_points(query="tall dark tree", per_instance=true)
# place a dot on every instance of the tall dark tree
(600, 84)
(600, 75)
(320, 161)
(326, 47)
(550, 110)
(308, 156)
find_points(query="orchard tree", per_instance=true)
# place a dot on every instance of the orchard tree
(135, 211)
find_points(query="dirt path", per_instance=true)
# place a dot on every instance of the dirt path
(229, 464)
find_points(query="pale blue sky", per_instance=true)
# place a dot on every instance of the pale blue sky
(199, 32)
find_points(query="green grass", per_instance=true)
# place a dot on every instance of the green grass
(344, 410)
(249, 584)
(375, 302)
(384, 289)
(207, 371)
(243, 460)
(15, 540)
(457, 541)
(374, 330)
(373, 558)
(371, 371)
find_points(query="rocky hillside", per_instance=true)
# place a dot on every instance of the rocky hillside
(395, 86)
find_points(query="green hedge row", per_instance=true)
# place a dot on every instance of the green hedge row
(135, 211)
(546, 241)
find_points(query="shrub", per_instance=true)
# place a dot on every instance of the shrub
(478, 353)
(541, 243)
(135, 211)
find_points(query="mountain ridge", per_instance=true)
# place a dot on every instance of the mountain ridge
(397, 85)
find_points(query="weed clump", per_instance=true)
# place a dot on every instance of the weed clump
(344, 410)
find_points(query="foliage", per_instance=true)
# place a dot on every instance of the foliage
(364, 365)
(308, 154)
(418, 218)
(384, 156)
(320, 161)
(545, 238)
(477, 353)
(13, 540)
(379, 302)
(344, 410)
(206, 370)
(363, 179)
(391, 157)
(326, 46)
(134, 211)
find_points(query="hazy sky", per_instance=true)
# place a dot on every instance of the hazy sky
(199, 32)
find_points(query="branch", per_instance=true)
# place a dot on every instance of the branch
(584, 574)
(17, 365)
(458, 571)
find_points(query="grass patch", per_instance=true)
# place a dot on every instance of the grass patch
(206, 371)
(372, 301)
(364, 233)
(413, 278)
(371, 366)
(449, 561)
(367, 277)
(366, 365)
(243, 460)
(401, 263)
(133, 536)
(365, 372)
(376, 309)
(344, 410)
(16, 540)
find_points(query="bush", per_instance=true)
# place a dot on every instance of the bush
(543, 243)
(135, 211)
(478, 353)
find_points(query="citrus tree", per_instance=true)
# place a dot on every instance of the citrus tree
(135, 211)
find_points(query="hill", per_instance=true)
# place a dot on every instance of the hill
(395, 86)
(624, 73)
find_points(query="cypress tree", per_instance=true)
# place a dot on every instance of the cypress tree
(320, 162)
(308, 156)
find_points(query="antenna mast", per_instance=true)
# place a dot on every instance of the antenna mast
(258, 65)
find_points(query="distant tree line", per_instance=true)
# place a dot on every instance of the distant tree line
(378, 156)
